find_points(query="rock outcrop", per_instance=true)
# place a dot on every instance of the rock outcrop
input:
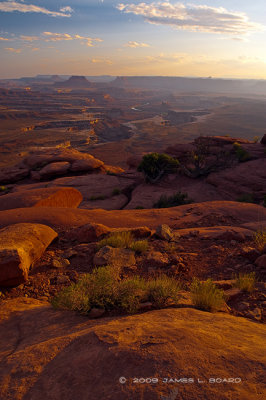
(20, 246)
(44, 197)
(38, 359)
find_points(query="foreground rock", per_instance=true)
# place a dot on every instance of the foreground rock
(20, 246)
(38, 360)
(46, 197)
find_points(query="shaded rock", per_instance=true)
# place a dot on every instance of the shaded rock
(254, 314)
(250, 253)
(157, 259)
(47, 197)
(88, 233)
(224, 284)
(261, 261)
(21, 245)
(13, 174)
(111, 203)
(54, 169)
(263, 140)
(108, 255)
(164, 232)
(96, 312)
(232, 294)
(62, 279)
(243, 306)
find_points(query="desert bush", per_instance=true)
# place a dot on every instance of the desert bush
(155, 165)
(241, 153)
(246, 198)
(206, 296)
(4, 189)
(140, 246)
(162, 289)
(103, 288)
(260, 239)
(139, 208)
(177, 199)
(118, 240)
(246, 282)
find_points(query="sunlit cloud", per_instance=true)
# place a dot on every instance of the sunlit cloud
(100, 61)
(136, 44)
(57, 37)
(200, 18)
(12, 50)
(11, 6)
(4, 39)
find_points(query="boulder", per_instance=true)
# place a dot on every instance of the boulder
(108, 255)
(88, 233)
(46, 197)
(21, 245)
(164, 232)
(157, 259)
(89, 164)
(54, 169)
(261, 261)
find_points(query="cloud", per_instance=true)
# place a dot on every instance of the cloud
(100, 61)
(56, 37)
(200, 18)
(4, 39)
(12, 50)
(10, 6)
(136, 44)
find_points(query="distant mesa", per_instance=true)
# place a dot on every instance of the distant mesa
(75, 82)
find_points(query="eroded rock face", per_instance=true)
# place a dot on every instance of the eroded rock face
(20, 246)
(14, 174)
(54, 169)
(44, 197)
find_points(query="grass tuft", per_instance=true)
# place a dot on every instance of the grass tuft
(260, 239)
(206, 296)
(117, 240)
(140, 246)
(246, 282)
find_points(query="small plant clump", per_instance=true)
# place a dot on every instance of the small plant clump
(246, 282)
(4, 189)
(155, 165)
(117, 240)
(116, 192)
(140, 246)
(103, 288)
(241, 153)
(177, 199)
(206, 296)
(260, 239)
(100, 197)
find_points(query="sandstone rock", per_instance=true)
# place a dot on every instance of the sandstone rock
(21, 245)
(60, 263)
(54, 169)
(13, 174)
(88, 233)
(232, 294)
(243, 306)
(157, 259)
(110, 203)
(164, 232)
(89, 164)
(96, 312)
(263, 140)
(254, 314)
(261, 261)
(108, 255)
(62, 279)
(224, 284)
(250, 253)
(45, 197)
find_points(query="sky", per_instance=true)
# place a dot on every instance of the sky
(218, 38)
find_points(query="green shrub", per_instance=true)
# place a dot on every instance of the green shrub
(241, 153)
(206, 296)
(103, 288)
(116, 192)
(177, 199)
(118, 240)
(140, 246)
(246, 282)
(155, 165)
(260, 239)
(246, 198)
(139, 208)
(4, 189)
(162, 289)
